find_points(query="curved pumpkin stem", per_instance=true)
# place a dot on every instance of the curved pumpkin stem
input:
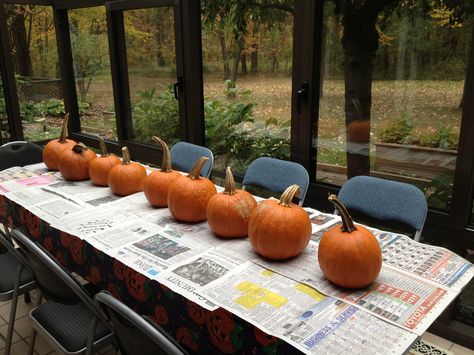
(347, 223)
(229, 182)
(79, 148)
(166, 162)
(125, 156)
(197, 167)
(62, 138)
(103, 148)
(287, 196)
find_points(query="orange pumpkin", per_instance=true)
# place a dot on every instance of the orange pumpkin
(54, 148)
(158, 183)
(228, 212)
(126, 178)
(74, 163)
(349, 256)
(280, 229)
(100, 167)
(188, 195)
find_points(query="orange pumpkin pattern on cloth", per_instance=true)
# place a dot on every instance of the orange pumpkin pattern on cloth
(113, 289)
(48, 244)
(263, 338)
(187, 338)
(161, 315)
(198, 314)
(77, 250)
(94, 275)
(60, 258)
(65, 239)
(34, 225)
(3, 207)
(137, 285)
(119, 269)
(221, 325)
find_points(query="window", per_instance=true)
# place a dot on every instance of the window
(392, 95)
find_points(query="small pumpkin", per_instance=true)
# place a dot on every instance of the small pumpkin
(158, 183)
(100, 167)
(74, 163)
(349, 256)
(55, 147)
(188, 195)
(228, 212)
(126, 178)
(280, 229)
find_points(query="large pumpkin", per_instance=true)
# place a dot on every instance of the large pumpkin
(280, 229)
(158, 183)
(100, 167)
(349, 256)
(126, 178)
(55, 147)
(188, 195)
(228, 212)
(74, 163)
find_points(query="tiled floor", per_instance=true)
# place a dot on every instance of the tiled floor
(22, 333)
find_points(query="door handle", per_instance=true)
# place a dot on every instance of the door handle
(302, 95)
(177, 88)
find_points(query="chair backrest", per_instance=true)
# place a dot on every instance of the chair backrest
(20, 153)
(184, 155)
(276, 175)
(135, 334)
(386, 200)
(52, 279)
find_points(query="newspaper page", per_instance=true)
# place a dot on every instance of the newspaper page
(155, 253)
(187, 278)
(38, 168)
(429, 262)
(303, 317)
(395, 296)
(25, 183)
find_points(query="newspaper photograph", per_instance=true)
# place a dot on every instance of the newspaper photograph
(189, 277)
(25, 183)
(429, 262)
(15, 173)
(395, 296)
(156, 253)
(303, 317)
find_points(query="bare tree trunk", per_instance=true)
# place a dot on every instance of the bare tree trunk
(254, 59)
(360, 43)
(23, 65)
(236, 54)
(225, 56)
(243, 61)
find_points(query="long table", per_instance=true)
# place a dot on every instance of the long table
(218, 296)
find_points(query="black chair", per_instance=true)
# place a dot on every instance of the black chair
(15, 279)
(68, 317)
(20, 153)
(135, 334)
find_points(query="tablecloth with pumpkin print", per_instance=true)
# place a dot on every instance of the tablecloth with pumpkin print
(197, 329)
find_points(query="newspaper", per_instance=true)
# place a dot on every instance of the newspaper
(427, 261)
(38, 168)
(303, 317)
(187, 278)
(25, 183)
(396, 296)
(155, 253)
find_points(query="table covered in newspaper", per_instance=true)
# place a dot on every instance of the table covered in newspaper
(290, 299)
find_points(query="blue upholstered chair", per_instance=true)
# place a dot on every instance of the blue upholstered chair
(386, 200)
(184, 155)
(19, 153)
(136, 334)
(276, 175)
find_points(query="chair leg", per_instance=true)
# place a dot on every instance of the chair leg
(11, 321)
(27, 297)
(31, 345)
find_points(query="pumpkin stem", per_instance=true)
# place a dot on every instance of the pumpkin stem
(103, 148)
(166, 162)
(125, 156)
(229, 182)
(347, 223)
(79, 148)
(287, 196)
(197, 167)
(62, 138)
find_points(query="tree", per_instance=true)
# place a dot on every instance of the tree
(17, 15)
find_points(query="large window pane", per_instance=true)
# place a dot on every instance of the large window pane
(392, 95)
(247, 59)
(90, 52)
(151, 58)
(34, 52)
